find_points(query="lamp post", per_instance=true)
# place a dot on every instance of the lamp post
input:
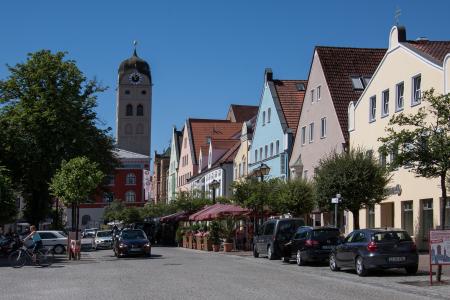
(336, 201)
(260, 172)
(213, 186)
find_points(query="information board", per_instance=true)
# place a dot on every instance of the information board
(439, 247)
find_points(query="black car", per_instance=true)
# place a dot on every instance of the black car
(368, 249)
(132, 241)
(273, 235)
(311, 244)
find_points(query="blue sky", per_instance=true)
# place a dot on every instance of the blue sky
(204, 55)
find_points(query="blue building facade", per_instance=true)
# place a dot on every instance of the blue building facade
(276, 125)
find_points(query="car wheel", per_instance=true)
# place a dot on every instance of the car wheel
(59, 249)
(359, 266)
(412, 269)
(255, 252)
(299, 259)
(270, 254)
(333, 264)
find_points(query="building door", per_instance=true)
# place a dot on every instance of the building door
(387, 215)
(407, 217)
(427, 217)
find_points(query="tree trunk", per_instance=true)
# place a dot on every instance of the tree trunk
(443, 203)
(355, 219)
(78, 222)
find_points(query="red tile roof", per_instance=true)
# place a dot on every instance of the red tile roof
(435, 49)
(291, 101)
(201, 129)
(243, 113)
(339, 64)
(229, 156)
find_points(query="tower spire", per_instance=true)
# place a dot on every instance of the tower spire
(135, 46)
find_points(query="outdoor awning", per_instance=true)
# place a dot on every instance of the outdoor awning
(218, 211)
(176, 217)
(194, 215)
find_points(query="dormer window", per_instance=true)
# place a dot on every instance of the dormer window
(358, 83)
(301, 87)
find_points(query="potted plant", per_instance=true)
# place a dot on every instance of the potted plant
(214, 235)
(180, 236)
(227, 234)
(194, 229)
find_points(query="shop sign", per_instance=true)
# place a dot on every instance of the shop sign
(394, 190)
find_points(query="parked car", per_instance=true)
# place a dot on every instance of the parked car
(132, 241)
(368, 249)
(311, 244)
(54, 240)
(103, 239)
(88, 242)
(273, 235)
(89, 232)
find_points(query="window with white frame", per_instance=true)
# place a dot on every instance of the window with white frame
(266, 151)
(260, 153)
(303, 135)
(131, 179)
(277, 148)
(271, 149)
(385, 103)
(323, 127)
(417, 92)
(372, 108)
(318, 93)
(269, 112)
(130, 196)
(312, 96)
(264, 118)
(256, 155)
(311, 132)
(399, 97)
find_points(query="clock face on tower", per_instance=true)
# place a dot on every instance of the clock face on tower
(135, 78)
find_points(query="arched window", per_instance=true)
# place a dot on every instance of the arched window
(130, 196)
(129, 111)
(140, 110)
(128, 129)
(268, 115)
(131, 178)
(139, 129)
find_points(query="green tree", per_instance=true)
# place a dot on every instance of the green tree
(186, 201)
(421, 141)
(46, 116)
(8, 209)
(75, 181)
(151, 210)
(296, 197)
(356, 175)
(114, 212)
(131, 215)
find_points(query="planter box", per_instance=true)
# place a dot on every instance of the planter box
(190, 242)
(185, 241)
(198, 240)
(207, 244)
(216, 248)
(227, 247)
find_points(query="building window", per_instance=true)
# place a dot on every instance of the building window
(269, 112)
(264, 118)
(185, 142)
(358, 83)
(131, 179)
(266, 151)
(371, 217)
(385, 103)
(240, 169)
(256, 155)
(417, 92)
(271, 149)
(447, 214)
(110, 180)
(318, 93)
(129, 110)
(373, 108)
(407, 217)
(127, 92)
(140, 129)
(305, 174)
(311, 132)
(140, 110)
(143, 92)
(382, 158)
(130, 196)
(312, 96)
(260, 153)
(303, 135)
(277, 147)
(128, 129)
(427, 217)
(323, 127)
(108, 197)
(400, 90)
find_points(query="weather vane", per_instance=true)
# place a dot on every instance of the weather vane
(398, 13)
(135, 44)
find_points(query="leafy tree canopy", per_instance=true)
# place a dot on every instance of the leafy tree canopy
(8, 209)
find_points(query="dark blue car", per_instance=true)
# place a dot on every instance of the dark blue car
(132, 241)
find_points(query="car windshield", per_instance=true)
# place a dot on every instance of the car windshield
(289, 227)
(133, 235)
(325, 234)
(389, 236)
(62, 233)
(104, 233)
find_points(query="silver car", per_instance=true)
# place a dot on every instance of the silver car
(103, 239)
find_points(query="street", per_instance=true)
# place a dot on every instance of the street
(177, 273)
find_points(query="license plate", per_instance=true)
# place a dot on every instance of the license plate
(136, 249)
(396, 259)
(327, 247)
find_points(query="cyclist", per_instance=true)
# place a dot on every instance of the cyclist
(37, 241)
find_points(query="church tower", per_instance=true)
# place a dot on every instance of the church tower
(134, 105)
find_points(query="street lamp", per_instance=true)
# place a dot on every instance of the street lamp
(213, 186)
(260, 172)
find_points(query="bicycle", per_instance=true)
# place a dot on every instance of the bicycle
(18, 258)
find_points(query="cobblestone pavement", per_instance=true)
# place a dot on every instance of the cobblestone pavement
(176, 273)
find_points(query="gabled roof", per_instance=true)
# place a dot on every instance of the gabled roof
(201, 129)
(291, 101)
(125, 154)
(434, 51)
(339, 64)
(228, 157)
(242, 113)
